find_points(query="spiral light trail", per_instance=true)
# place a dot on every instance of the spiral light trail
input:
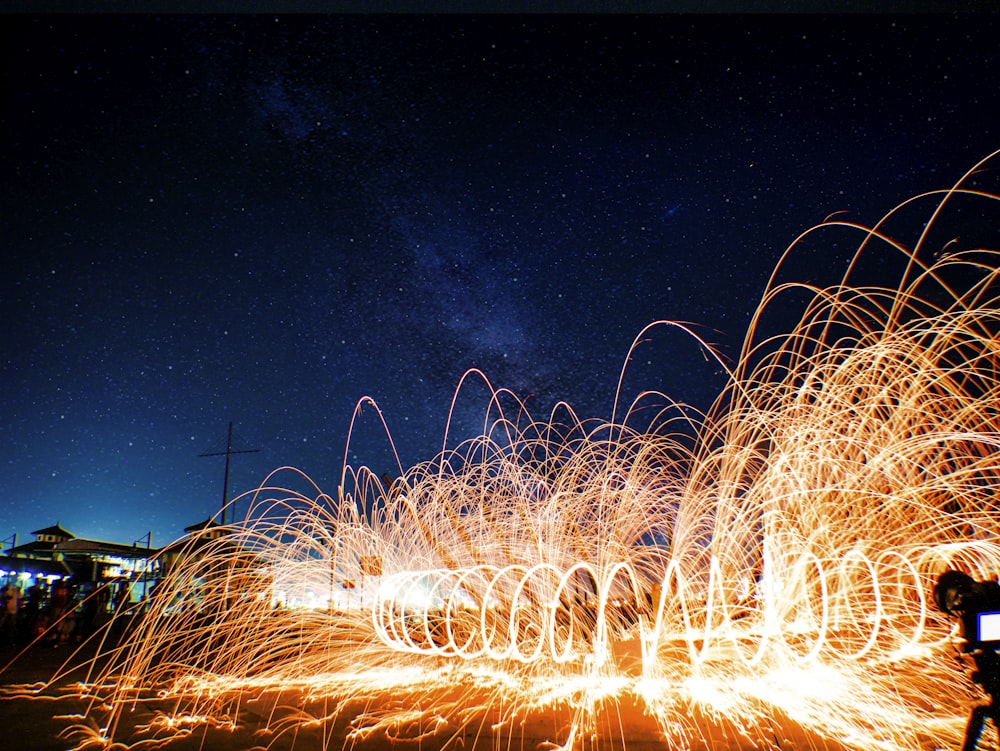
(764, 566)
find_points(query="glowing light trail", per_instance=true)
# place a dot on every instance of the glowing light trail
(759, 574)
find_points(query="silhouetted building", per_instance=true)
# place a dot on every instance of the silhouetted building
(58, 553)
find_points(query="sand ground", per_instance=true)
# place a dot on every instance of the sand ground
(44, 723)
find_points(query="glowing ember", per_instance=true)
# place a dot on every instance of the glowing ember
(757, 576)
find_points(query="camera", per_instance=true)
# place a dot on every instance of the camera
(977, 606)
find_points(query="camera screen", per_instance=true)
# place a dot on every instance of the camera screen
(988, 626)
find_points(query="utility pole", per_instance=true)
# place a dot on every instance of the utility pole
(148, 537)
(12, 538)
(227, 453)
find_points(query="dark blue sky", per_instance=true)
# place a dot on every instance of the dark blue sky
(264, 218)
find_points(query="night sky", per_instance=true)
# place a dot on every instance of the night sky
(262, 219)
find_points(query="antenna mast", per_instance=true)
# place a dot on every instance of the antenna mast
(227, 453)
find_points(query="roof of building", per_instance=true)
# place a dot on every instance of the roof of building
(71, 544)
(56, 530)
(207, 524)
(81, 545)
(32, 548)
